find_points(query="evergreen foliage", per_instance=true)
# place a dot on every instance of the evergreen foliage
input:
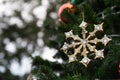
(96, 11)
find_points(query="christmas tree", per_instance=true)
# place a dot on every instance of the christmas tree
(95, 12)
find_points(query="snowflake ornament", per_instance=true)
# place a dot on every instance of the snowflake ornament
(85, 45)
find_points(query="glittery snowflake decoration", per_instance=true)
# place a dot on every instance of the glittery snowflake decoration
(85, 45)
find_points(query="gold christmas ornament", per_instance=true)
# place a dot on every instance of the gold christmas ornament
(85, 45)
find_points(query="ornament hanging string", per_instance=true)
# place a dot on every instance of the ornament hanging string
(83, 15)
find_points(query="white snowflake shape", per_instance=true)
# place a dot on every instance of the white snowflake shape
(84, 45)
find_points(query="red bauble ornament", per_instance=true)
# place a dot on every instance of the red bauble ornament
(71, 10)
(119, 68)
